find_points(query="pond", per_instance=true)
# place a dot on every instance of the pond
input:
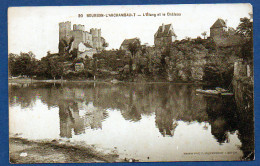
(147, 122)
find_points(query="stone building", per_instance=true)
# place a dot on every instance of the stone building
(224, 36)
(126, 42)
(79, 66)
(85, 49)
(164, 36)
(92, 38)
(218, 28)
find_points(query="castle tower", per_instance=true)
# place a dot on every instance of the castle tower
(87, 38)
(64, 30)
(94, 32)
(99, 39)
(164, 36)
(95, 37)
(99, 32)
(218, 28)
(78, 27)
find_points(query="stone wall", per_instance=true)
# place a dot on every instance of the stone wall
(163, 41)
(78, 27)
(216, 31)
(243, 85)
(78, 37)
(241, 69)
(87, 38)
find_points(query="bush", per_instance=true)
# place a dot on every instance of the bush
(78, 75)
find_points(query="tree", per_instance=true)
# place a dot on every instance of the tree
(105, 44)
(218, 71)
(133, 47)
(73, 54)
(51, 66)
(245, 29)
(23, 64)
(204, 34)
(64, 46)
(165, 53)
(42, 69)
(11, 64)
(32, 65)
(56, 68)
(188, 38)
(144, 60)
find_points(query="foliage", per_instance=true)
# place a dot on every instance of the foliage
(51, 66)
(245, 27)
(133, 47)
(23, 64)
(11, 64)
(64, 46)
(78, 75)
(210, 45)
(105, 44)
(218, 71)
(110, 60)
(204, 34)
(183, 60)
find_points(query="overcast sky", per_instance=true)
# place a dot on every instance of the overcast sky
(36, 28)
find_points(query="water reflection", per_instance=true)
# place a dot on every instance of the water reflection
(70, 119)
(221, 117)
(87, 106)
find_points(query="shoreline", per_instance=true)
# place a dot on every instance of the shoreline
(24, 81)
(22, 150)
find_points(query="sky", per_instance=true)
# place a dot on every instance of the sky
(36, 29)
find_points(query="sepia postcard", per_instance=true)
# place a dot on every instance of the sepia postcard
(143, 83)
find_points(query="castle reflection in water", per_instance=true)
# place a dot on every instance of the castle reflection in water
(85, 106)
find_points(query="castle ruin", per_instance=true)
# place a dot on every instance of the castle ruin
(92, 40)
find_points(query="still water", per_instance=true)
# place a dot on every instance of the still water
(147, 122)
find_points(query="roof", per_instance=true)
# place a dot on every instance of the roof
(219, 24)
(128, 41)
(168, 31)
(79, 63)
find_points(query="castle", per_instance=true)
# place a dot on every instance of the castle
(91, 42)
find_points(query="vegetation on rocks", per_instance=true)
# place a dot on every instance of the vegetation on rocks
(188, 60)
